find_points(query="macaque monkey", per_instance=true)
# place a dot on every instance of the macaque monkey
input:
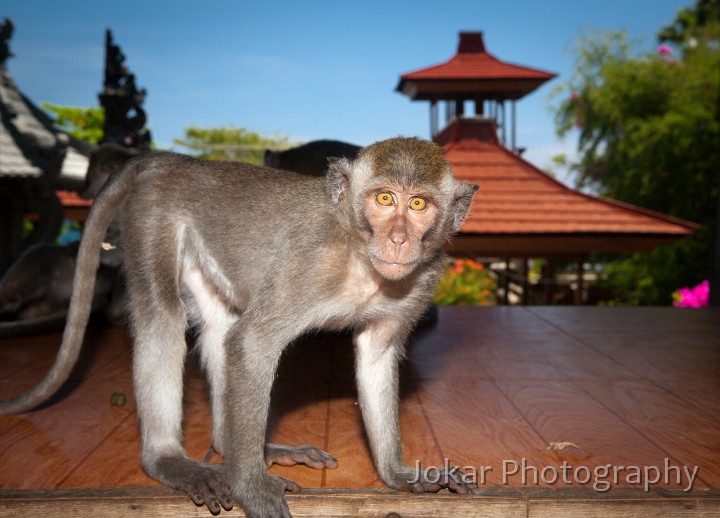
(313, 159)
(255, 257)
(310, 159)
(35, 291)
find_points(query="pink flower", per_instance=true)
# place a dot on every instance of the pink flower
(574, 96)
(664, 50)
(696, 297)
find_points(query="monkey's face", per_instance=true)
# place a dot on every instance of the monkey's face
(399, 197)
(398, 218)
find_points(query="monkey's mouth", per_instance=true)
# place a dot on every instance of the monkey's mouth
(393, 270)
(408, 262)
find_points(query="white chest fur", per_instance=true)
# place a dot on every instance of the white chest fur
(359, 291)
(361, 283)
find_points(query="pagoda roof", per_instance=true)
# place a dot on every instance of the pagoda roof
(522, 210)
(471, 73)
(30, 147)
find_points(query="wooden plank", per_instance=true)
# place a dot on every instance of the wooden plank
(436, 355)
(114, 464)
(346, 441)
(56, 440)
(306, 504)
(701, 393)
(623, 319)
(563, 412)
(478, 428)
(688, 436)
(491, 320)
(503, 502)
(27, 357)
(659, 354)
(348, 444)
(623, 509)
(300, 402)
(514, 357)
(299, 413)
(655, 369)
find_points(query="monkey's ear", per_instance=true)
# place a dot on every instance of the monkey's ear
(461, 202)
(337, 179)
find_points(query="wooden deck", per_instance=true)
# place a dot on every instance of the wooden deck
(633, 394)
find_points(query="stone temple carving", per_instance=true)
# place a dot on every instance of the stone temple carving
(122, 101)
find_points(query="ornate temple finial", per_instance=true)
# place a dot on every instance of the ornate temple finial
(122, 101)
(6, 30)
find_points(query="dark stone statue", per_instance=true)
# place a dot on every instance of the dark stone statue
(122, 101)
(6, 30)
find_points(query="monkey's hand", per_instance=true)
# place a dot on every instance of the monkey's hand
(432, 480)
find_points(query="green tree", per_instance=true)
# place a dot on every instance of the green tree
(229, 143)
(693, 24)
(648, 134)
(84, 124)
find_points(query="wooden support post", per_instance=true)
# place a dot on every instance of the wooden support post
(549, 278)
(504, 125)
(459, 107)
(433, 118)
(526, 281)
(580, 284)
(514, 133)
(506, 283)
(449, 111)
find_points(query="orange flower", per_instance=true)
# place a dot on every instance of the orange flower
(458, 268)
(475, 265)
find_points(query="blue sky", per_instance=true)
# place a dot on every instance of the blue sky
(305, 69)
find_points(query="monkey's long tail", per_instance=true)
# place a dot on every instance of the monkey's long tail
(88, 260)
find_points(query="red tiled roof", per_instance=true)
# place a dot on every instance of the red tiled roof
(472, 71)
(516, 198)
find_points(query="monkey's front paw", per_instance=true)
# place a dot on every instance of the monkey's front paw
(433, 480)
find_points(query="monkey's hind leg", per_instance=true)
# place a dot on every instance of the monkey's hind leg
(159, 321)
(208, 311)
(291, 455)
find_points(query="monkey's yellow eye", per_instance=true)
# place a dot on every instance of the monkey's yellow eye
(417, 203)
(384, 198)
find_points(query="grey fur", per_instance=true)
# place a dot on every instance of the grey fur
(256, 257)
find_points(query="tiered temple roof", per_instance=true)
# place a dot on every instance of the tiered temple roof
(520, 210)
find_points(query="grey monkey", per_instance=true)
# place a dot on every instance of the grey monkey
(310, 159)
(35, 291)
(255, 257)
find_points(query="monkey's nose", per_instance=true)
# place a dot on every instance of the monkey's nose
(398, 237)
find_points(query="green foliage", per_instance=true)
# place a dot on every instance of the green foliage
(84, 124)
(229, 143)
(465, 283)
(649, 128)
(642, 279)
(692, 24)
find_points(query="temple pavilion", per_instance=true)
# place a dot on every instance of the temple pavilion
(520, 212)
